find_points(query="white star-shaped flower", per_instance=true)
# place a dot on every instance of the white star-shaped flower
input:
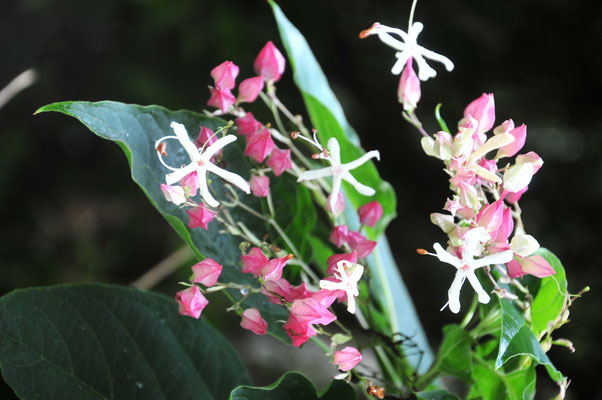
(200, 162)
(408, 48)
(348, 275)
(340, 171)
(467, 265)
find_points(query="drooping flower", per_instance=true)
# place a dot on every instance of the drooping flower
(269, 63)
(174, 194)
(200, 161)
(191, 302)
(311, 311)
(347, 275)
(347, 358)
(483, 110)
(339, 205)
(252, 320)
(340, 171)
(533, 265)
(206, 272)
(298, 331)
(200, 216)
(333, 260)
(408, 92)
(260, 185)
(279, 161)
(467, 265)
(408, 48)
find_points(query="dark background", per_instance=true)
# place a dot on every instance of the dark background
(69, 211)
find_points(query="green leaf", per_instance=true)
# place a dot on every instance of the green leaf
(440, 119)
(551, 297)
(136, 128)
(328, 118)
(436, 395)
(454, 356)
(492, 384)
(517, 339)
(293, 385)
(488, 382)
(91, 341)
(521, 384)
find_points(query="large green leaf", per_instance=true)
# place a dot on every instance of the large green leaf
(91, 341)
(136, 128)
(293, 385)
(328, 118)
(436, 395)
(492, 384)
(551, 297)
(454, 356)
(517, 339)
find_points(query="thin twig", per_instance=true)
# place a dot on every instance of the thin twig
(17, 85)
(163, 269)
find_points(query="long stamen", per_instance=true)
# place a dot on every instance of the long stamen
(314, 142)
(160, 155)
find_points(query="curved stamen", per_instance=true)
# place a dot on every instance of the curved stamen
(157, 143)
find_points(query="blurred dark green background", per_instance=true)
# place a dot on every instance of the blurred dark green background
(69, 211)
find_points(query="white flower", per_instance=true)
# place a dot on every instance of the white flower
(468, 264)
(408, 48)
(200, 162)
(340, 171)
(348, 275)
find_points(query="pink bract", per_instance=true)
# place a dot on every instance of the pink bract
(339, 235)
(200, 216)
(252, 321)
(408, 92)
(224, 75)
(206, 272)
(273, 268)
(260, 185)
(312, 312)
(191, 302)
(347, 358)
(520, 135)
(335, 258)
(339, 205)
(253, 262)
(360, 244)
(483, 110)
(269, 63)
(259, 145)
(279, 161)
(248, 125)
(221, 98)
(370, 213)
(299, 332)
(174, 194)
(249, 89)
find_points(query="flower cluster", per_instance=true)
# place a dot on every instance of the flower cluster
(479, 220)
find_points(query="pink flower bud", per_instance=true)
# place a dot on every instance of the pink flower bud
(443, 147)
(277, 291)
(299, 332)
(174, 194)
(312, 312)
(248, 125)
(518, 176)
(468, 196)
(259, 145)
(269, 63)
(335, 258)
(520, 135)
(339, 205)
(199, 216)
(253, 262)
(483, 110)
(532, 265)
(224, 75)
(273, 268)
(221, 98)
(506, 227)
(298, 292)
(191, 302)
(339, 235)
(347, 358)
(326, 297)
(490, 217)
(360, 244)
(370, 213)
(408, 92)
(530, 157)
(206, 272)
(206, 138)
(505, 127)
(252, 321)
(279, 161)
(190, 184)
(514, 197)
(249, 89)
(260, 185)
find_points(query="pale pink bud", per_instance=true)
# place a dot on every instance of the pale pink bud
(248, 125)
(259, 145)
(224, 75)
(530, 157)
(505, 127)
(514, 197)
(443, 147)
(468, 196)
(360, 244)
(174, 194)
(532, 265)
(347, 358)
(310, 311)
(370, 213)
(279, 161)
(408, 92)
(252, 321)
(206, 272)
(191, 302)
(221, 98)
(299, 332)
(468, 125)
(206, 138)
(260, 185)
(506, 227)
(483, 110)
(518, 176)
(520, 135)
(190, 183)
(490, 217)
(339, 205)
(277, 290)
(269, 63)
(200, 216)
(335, 258)
(253, 262)
(249, 89)
(339, 235)
(452, 206)
(273, 268)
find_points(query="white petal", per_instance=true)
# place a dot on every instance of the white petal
(356, 272)
(330, 285)
(334, 195)
(217, 146)
(204, 189)
(446, 257)
(476, 285)
(524, 245)
(449, 65)
(390, 40)
(363, 159)
(424, 70)
(334, 151)
(402, 59)
(472, 239)
(518, 176)
(498, 258)
(453, 293)
(350, 303)
(178, 174)
(315, 174)
(185, 141)
(231, 177)
(415, 30)
(361, 188)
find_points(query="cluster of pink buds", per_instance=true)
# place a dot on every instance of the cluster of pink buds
(479, 220)
(341, 236)
(191, 301)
